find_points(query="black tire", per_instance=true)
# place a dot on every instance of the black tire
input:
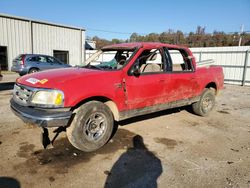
(91, 127)
(205, 104)
(33, 70)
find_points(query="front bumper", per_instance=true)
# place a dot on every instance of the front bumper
(42, 117)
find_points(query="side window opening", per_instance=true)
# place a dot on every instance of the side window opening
(151, 61)
(34, 58)
(49, 60)
(52, 60)
(42, 59)
(180, 60)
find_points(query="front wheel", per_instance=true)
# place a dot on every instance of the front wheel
(206, 103)
(91, 127)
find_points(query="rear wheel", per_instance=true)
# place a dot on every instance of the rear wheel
(206, 103)
(32, 70)
(91, 127)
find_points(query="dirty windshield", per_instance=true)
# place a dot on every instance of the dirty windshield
(112, 59)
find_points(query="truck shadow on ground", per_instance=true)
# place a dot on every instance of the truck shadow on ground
(63, 155)
(136, 167)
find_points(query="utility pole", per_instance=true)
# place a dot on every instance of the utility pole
(241, 32)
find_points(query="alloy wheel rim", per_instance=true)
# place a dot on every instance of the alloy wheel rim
(207, 104)
(95, 126)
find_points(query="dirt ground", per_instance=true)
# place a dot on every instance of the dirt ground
(173, 148)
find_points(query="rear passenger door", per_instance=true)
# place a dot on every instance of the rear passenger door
(182, 82)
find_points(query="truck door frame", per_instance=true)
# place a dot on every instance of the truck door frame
(137, 95)
(182, 84)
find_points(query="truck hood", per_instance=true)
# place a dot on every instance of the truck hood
(56, 77)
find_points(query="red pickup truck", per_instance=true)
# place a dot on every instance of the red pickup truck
(117, 82)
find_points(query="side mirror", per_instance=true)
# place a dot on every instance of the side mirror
(136, 69)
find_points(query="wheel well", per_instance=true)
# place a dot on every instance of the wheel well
(212, 85)
(112, 106)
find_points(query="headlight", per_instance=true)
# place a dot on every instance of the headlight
(48, 98)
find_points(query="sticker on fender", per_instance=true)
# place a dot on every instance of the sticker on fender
(43, 81)
(35, 81)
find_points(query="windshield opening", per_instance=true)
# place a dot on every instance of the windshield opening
(109, 59)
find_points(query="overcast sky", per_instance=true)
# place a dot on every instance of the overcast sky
(141, 16)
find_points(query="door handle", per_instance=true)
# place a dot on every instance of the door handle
(162, 81)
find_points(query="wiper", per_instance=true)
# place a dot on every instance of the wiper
(93, 67)
(106, 67)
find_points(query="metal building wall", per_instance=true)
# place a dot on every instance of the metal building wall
(21, 35)
(15, 35)
(47, 38)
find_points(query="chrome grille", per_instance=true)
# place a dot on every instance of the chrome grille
(22, 94)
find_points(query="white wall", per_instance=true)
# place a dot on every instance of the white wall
(47, 38)
(232, 59)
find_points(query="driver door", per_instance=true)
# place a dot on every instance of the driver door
(147, 88)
